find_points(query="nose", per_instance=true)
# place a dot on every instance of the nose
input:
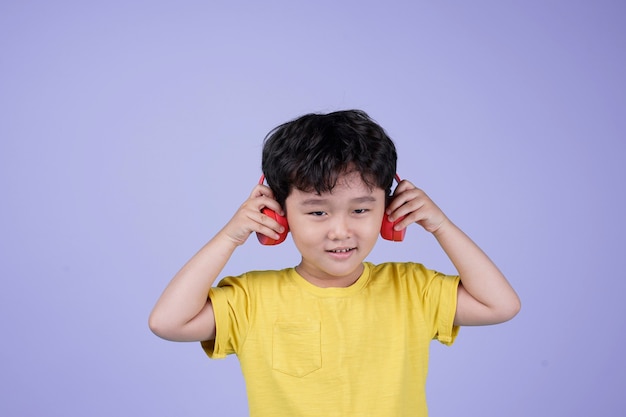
(339, 228)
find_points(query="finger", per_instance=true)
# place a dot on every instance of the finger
(270, 203)
(263, 198)
(268, 226)
(403, 186)
(402, 201)
(266, 231)
(405, 221)
(261, 190)
(268, 219)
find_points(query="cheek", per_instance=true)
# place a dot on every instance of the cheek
(307, 242)
(377, 220)
(300, 231)
(375, 230)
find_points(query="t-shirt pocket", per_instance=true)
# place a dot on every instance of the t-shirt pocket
(297, 348)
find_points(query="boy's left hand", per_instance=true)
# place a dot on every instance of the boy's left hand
(416, 206)
(484, 295)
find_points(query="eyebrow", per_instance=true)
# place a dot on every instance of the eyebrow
(321, 201)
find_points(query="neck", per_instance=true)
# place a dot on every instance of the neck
(330, 281)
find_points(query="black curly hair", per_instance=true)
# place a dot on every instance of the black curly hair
(312, 151)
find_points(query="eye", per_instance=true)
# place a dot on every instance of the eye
(361, 211)
(317, 213)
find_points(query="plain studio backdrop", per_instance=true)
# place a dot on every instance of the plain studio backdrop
(131, 131)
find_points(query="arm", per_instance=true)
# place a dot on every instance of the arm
(484, 295)
(183, 313)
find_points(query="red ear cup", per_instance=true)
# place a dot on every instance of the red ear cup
(386, 229)
(265, 240)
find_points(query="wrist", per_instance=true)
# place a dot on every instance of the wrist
(228, 241)
(441, 228)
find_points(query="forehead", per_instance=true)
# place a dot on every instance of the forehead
(349, 186)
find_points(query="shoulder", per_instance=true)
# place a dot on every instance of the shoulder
(409, 274)
(400, 269)
(255, 278)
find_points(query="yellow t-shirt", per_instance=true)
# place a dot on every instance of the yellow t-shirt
(355, 351)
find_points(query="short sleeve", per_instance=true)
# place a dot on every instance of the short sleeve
(438, 294)
(431, 294)
(446, 311)
(230, 302)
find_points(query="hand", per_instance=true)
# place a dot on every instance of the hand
(484, 296)
(249, 217)
(416, 206)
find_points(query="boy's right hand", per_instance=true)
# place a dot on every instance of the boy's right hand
(249, 217)
(183, 312)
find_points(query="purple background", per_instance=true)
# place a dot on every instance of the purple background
(131, 131)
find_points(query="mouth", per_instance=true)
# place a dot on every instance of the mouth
(341, 250)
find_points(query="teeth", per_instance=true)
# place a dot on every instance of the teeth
(341, 250)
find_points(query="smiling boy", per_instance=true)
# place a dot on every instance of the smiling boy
(335, 335)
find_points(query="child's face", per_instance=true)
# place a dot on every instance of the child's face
(335, 231)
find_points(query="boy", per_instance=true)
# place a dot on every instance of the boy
(334, 336)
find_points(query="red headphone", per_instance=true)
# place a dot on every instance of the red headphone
(387, 231)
